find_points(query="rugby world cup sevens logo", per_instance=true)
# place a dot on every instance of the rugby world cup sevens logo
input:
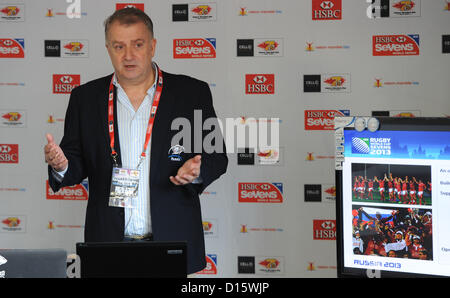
(361, 145)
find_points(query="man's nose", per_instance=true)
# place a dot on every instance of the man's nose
(129, 53)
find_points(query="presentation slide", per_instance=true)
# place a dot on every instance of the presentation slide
(396, 201)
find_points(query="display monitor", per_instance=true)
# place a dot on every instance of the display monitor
(393, 196)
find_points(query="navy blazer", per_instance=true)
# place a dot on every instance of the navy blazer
(175, 210)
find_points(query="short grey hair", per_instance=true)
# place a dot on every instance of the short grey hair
(129, 16)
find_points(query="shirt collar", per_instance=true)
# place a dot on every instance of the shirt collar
(150, 90)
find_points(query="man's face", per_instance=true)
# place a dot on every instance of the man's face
(131, 49)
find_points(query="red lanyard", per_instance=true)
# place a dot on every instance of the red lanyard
(153, 110)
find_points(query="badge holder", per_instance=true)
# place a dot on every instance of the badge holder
(124, 187)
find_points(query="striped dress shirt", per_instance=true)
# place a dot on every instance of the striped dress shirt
(132, 130)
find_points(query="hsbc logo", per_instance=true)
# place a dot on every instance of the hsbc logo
(401, 39)
(199, 42)
(66, 79)
(326, 4)
(328, 225)
(5, 149)
(130, 5)
(327, 10)
(260, 79)
(265, 187)
(9, 153)
(194, 48)
(259, 84)
(324, 229)
(64, 83)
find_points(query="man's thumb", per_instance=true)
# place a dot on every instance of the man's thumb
(49, 138)
(197, 158)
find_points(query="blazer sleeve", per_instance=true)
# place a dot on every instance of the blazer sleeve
(213, 164)
(71, 145)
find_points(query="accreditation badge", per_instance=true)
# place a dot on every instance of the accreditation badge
(124, 187)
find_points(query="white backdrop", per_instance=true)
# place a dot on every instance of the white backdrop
(290, 238)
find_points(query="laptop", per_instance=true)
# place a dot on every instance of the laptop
(33, 263)
(133, 259)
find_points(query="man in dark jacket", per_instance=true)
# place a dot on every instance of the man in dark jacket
(122, 122)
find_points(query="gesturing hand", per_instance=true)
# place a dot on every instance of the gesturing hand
(188, 172)
(54, 155)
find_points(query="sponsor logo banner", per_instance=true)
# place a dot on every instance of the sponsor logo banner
(271, 47)
(405, 8)
(210, 228)
(322, 119)
(311, 47)
(327, 83)
(244, 11)
(259, 84)
(52, 48)
(260, 192)
(64, 83)
(446, 44)
(379, 83)
(313, 193)
(395, 45)
(52, 225)
(74, 48)
(125, 5)
(211, 265)
(202, 12)
(13, 223)
(67, 48)
(12, 12)
(264, 265)
(246, 157)
(73, 193)
(246, 229)
(194, 12)
(396, 8)
(324, 229)
(13, 118)
(326, 10)
(194, 48)
(246, 264)
(269, 265)
(9, 153)
(12, 48)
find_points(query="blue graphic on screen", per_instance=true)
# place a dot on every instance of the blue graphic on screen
(398, 144)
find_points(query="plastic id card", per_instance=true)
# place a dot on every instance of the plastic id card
(124, 187)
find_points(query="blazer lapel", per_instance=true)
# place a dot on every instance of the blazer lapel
(161, 125)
